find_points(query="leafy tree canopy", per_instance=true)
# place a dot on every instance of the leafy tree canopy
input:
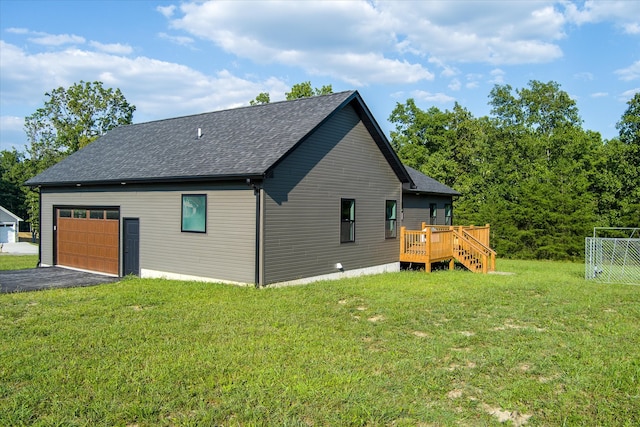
(530, 170)
(542, 107)
(304, 90)
(262, 98)
(298, 90)
(73, 117)
(70, 119)
(629, 124)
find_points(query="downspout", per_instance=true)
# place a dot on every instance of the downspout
(39, 227)
(256, 192)
(262, 237)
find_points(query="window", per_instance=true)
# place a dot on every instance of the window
(433, 209)
(64, 213)
(194, 213)
(347, 220)
(96, 214)
(113, 214)
(79, 213)
(390, 219)
(448, 214)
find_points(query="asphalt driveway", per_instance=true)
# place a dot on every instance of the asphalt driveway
(36, 279)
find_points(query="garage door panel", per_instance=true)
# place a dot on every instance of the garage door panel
(89, 241)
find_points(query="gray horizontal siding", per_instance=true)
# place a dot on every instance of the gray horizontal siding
(302, 204)
(226, 251)
(415, 209)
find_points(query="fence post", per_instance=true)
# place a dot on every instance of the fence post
(488, 236)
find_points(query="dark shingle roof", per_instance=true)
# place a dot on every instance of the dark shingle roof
(425, 184)
(240, 142)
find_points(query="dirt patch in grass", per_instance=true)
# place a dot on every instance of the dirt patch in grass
(455, 366)
(376, 318)
(515, 417)
(455, 394)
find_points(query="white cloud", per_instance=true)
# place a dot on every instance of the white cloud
(14, 30)
(12, 133)
(439, 98)
(324, 38)
(624, 14)
(447, 70)
(628, 94)
(455, 85)
(179, 40)
(56, 39)
(632, 28)
(114, 48)
(159, 89)
(599, 95)
(11, 123)
(584, 76)
(489, 32)
(497, 76)
(167, 11)
(307, 35)
(632, 72)
(362, 69)
(46, 39)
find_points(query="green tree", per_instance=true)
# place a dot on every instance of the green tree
(548, 164)
(305, 90)
(11, 179)
(262, 98)
(542, 107)
(70, 119)
(627, 159)
(529, 169)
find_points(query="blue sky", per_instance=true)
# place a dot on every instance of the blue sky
(177, 58)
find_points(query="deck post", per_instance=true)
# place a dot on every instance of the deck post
(403, 229)
(427, 245)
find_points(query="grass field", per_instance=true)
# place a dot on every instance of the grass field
(540, 347)
(18, 262)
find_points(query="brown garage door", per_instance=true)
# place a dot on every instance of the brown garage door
(87, 238)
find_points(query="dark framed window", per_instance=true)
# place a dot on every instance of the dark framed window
(194, 213)
(96, 214)
(390, 219)
(113, 214)
(79, 213)
(347, 220)
(448, 214)
(64, 213)
(433, 214)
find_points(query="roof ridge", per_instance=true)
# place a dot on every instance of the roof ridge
(307, 98)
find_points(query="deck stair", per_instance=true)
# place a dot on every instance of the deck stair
(467, 245)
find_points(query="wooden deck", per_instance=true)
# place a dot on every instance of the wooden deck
(468, 245)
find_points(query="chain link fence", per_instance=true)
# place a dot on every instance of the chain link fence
(610, 259)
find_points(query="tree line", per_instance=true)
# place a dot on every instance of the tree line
(529, 168)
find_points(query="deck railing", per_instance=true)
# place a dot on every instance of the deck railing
(479, 237)
(434, 243)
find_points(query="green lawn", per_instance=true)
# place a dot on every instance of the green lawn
(541, 347)
(17, 262)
